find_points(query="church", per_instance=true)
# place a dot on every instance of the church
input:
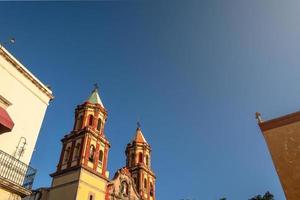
(81, 173)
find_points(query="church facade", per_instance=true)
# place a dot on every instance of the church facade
(81, 172)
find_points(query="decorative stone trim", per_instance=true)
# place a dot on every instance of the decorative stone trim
(4, 102)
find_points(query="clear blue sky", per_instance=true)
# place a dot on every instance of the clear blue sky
(195, 73)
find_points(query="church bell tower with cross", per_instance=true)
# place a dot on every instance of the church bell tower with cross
(138, 162)
(81, 172)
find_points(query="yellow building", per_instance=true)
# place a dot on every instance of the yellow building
(282, 136)
(20, 93)
(82, 169)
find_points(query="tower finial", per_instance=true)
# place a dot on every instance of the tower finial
(138, 124)
(258, 117)
(96, 86)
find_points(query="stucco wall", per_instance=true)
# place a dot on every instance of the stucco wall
(78, 185)
(67, 192)
(284, 146)
(27, 111)
(5, 195)
(91, 184)
(64, 186)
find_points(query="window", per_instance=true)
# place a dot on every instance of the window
(92, 153)
(91, 197)
(135, 180)
(138, 183)
(147, 160)
(132, 159)
(145, 183)
(151, 189)
(91, 118)
(140, 158)
(100, 156)
(124, 188)
(99, 124)
(67, 154)
(79, 123)
(77, 151)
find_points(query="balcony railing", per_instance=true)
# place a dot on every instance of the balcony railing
(16, 171)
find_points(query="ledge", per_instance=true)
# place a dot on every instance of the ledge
(280, 121)
(14, 188)
(10, 58)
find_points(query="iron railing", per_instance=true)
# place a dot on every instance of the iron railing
(16, 171)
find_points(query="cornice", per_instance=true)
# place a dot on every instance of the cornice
(64, 171)
(80, 133)
(87, 104)
(25, 72)
(10, 186)
(138, 144)
(141, 167)
(95, 173)
(280, 121)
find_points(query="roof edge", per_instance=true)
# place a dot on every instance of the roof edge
(22, 69)
(280, 121)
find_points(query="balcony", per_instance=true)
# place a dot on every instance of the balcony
(15, 172)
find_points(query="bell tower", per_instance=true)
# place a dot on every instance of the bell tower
(138, 161)
(83, 159)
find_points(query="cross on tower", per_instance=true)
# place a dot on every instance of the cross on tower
(138, 124)
(96, 86)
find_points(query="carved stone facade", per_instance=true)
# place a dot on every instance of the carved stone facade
(122, 187)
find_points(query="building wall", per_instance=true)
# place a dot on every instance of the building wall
(29, 104)
(91, 184)
(282, 136)
(149, 179)
(284, 146)
(78, 185)
(7, 195)
(67, 192)
(64, 186)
